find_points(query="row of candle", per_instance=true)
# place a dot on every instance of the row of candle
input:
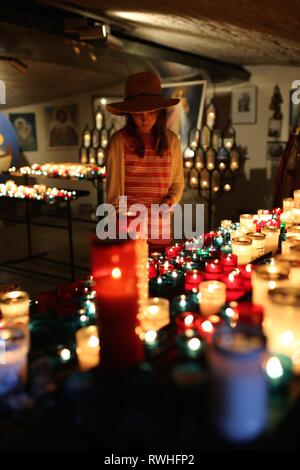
(62, 170)
(39, 192)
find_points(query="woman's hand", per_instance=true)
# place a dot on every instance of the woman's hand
(168, 200)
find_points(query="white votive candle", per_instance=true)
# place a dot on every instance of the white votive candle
(288, 204)
(297, 198)
(87, 347)
(272, 238)
(268, 276)
(242, 248)
(156, 314)
(15, 306)
(247, 222)
(212, 297)
(258, 244)
(281, 323)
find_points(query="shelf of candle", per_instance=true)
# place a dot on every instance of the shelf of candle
(39, 193)
(68, 170)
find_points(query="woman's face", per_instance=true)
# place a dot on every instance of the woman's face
(145, 121)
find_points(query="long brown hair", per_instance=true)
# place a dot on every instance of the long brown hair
(158, 132)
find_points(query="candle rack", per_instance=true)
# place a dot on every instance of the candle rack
(213, 160)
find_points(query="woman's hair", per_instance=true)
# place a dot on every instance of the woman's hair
(158, 132)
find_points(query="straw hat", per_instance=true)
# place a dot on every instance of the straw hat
(142, 93)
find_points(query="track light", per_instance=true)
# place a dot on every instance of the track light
(98, 31)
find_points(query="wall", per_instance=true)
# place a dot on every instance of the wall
(255, 186)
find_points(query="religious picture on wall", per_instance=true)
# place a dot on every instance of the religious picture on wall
(24, 124)
(294, 113)
(61, 124)
(187, 114)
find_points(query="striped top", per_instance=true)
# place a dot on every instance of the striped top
(147, 182)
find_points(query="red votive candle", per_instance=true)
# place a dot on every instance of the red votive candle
(228, 262)
(152, 269)
(166, 267)
(186, 321)
(246, 312)
(114, 267)
(193, 279)
(207, 326)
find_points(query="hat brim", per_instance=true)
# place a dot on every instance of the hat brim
(141, 104)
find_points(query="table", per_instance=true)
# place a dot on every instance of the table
(97, 182)
(29, 223)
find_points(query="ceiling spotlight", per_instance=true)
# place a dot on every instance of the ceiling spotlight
(93, 32)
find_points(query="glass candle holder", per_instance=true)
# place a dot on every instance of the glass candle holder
(288, 204)
(239, 384)
(226, 223)
(247, 223)
(268, 276)
(288, 243)
(14, 306)
(242, 248)
(13, 358)
(228, 262)
(87, 347)
(193, 279)
(281, 323)
(212, 297)
(156, 314)
(293, 261)
(117, 267)
(190, 344)
(272, 238)
(186, 321)
(258, 244)
(296, 195)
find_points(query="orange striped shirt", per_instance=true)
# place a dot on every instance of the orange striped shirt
(147, 181)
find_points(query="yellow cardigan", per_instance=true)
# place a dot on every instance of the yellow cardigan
(115, 169)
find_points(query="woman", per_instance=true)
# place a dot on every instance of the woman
(144, 159)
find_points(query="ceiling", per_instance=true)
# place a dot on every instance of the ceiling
(191, 38)
(245, 32)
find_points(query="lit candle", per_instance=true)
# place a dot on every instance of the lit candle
(239, 382)
(119, 300)
(212, 297)
(207, 327)
(247, 222)
(226, 223)
(13, 357)
(15, 306)
(297, 198)
(186, 320)
(293, 260)
(87, 347)
(228, 262)
(281, 323)
(278, 368)
(156, 314)
(193, 279)
(293, 231)
(268, 276)
(244, 313)
(242, 247)
(258, 244)
(213, 267)
(190, 344)
(288, 243)
(272, 238)
(288, 204)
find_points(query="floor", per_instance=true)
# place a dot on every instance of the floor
(53, 241)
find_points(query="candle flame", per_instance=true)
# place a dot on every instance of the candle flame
(116, 273)
(207, 326)
(93, 342)
(188, 320)
(150, 336)
(153, 309)
(194, 344)
(274, 368)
